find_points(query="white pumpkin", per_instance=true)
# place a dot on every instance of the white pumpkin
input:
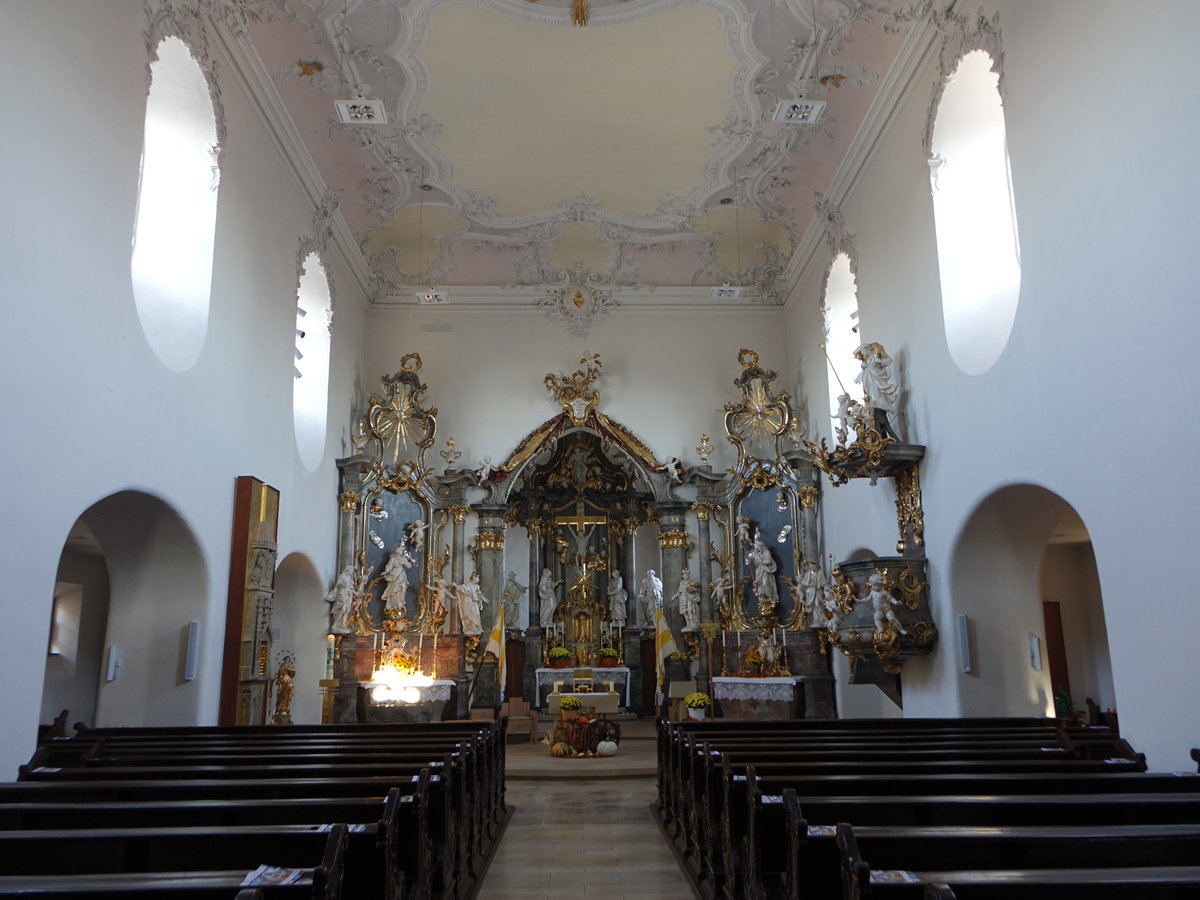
(606, 748)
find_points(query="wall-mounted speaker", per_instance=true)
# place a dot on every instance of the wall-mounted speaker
(964, 645)
(193, 650)
(1035, 652)
(114, 663)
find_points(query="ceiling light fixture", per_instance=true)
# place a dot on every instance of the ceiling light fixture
(799, 112)
(360, 109)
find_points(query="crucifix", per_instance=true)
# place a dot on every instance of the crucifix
(579, 522)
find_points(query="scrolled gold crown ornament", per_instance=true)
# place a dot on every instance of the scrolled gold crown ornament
(704, 449)
(450, 455)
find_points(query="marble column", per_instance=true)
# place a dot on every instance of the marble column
(673, 544)
(702, 571)
(489, 562)
(458, 562)
(354, 472)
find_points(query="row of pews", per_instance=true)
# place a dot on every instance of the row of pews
(934, 808)
(398, 812)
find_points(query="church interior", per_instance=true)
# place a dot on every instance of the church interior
(627, 348)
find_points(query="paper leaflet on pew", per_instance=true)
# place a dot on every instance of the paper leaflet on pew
(893, 876)
(264, 875)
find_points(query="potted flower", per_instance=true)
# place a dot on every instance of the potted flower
(608, 657)
(754, 660)
(697, 704)
(570, 707)
(559, 657)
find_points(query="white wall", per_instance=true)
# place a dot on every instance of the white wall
(666, 374)
(88, 409)
(1103, 334)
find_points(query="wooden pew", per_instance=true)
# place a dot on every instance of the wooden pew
(1146, 856)
(322, 879)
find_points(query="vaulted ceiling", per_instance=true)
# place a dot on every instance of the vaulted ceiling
(525, 153)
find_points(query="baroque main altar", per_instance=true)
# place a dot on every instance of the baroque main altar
(636, 573)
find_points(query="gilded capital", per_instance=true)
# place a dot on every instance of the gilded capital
(808, 496)
(703, 510)
(490, 540)
(673, 539)
(460, 513)
(349, 501)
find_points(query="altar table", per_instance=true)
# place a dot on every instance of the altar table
(755, 698)
(618, 676)
(428, 707)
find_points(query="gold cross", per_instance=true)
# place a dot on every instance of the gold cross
(579, 520)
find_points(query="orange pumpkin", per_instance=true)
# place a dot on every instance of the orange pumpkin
(559, 749)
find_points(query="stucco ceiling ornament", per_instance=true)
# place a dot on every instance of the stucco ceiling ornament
(578, 307)
(962, 35)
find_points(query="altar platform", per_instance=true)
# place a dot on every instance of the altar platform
(636, 757)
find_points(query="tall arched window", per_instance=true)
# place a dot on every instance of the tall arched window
(177, 208)
(310, 390)
(978, 251)
(841, 331)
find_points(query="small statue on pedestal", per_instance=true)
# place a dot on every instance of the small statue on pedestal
(341, 601)
(548, 598)
(879, 392)
(688, 597)
(511, 595)
(650, 598)
(617, 598)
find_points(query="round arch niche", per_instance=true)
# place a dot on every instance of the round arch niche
(299, 624)
(1022, 564)
(157, 584)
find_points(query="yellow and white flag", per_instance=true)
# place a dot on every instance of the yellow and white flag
(664, 646)
(497, 646)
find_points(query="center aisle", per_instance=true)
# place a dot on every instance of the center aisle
(576, 834)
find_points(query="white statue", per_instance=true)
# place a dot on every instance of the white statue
(764, 572)
(617, 597)
(833, 612)
(470, 605)
(395, 574)
(721, 589)
(341, 601)
(744, 524)
(671, 469)
(416, 533)
(547, 598)
(511, 595)
(441, 592)
(809, 593)
(842, 432)
(485, 470)
(882, 602)
(650, 597)
(688, 597)
(876, 377)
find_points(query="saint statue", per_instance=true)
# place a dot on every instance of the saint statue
(688, 597)
(617, 597)
(341, 601)
(283, 692)
(808, 594)
(511, 595)
(764, 575)
(547, 598)
(470, 605)
(650, 598)
(879, 392)
(395, 574)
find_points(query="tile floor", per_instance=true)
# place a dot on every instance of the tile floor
(589, 837)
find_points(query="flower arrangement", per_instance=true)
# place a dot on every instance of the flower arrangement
(570, 703)
(753, 657)
(698, 700)
(608, 651)
(558, 653)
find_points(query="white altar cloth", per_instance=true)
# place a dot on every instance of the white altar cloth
(438, 692)
(618, 676)
(730, 687)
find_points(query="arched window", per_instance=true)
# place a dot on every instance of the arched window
(841, 331)
(310, 390)
(978, 251)
(177, 208)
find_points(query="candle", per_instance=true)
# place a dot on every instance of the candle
(739, 634)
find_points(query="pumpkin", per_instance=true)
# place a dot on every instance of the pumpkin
(559, 749)
(606, 748)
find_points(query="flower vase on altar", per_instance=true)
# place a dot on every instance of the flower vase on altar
(696, 715)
